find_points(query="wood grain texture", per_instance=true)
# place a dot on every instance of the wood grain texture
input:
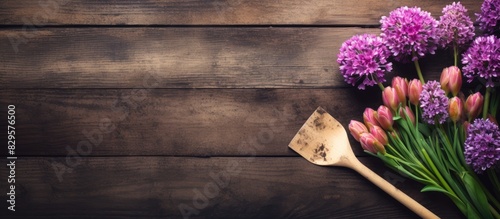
(187, 122)
(184, 58)
(144, 103)
(154, 187)
(214, 12)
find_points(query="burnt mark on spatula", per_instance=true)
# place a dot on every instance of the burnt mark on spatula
(319, 124)
(320, 152)
(303, 144)
(321, 111)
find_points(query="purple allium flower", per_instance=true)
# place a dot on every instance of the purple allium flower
(364, 57)
(490, 16)
(434, 103)
(410, 32)
(482, 59)
(455, 25)
(482, 146)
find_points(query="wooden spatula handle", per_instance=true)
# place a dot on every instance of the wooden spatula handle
(391, 190)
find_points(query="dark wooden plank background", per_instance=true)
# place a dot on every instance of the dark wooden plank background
(157, 97)
(198, 12)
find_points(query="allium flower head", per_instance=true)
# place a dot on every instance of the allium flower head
(364, 57)
(410, 32)
(434, 103)
(455, 25)
(489, 18)
(482, 146)
(482, 60)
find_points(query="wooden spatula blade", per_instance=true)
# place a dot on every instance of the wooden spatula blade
(322, 140)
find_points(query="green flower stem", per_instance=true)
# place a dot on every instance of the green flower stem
(496, 183)
(455, 53)
(492, 200)
(445, 136)
(399, 157)
(419, 71)
(455, 127)
(405, 153)
(410, 155)
(415, 137)
(494, 102)
(494, 212)
(417, 67)
(391, 148)
(417, 114)
(496, 186)
(381, 86)
(486, 102)
(419, 172)
(438, 174)
(494, 179)
(448, 148)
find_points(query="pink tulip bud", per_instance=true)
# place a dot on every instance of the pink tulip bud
(401, 86)
(455, 109)
(370, 118)
(371, 144)
(394, 134)
(384, 118)
(403, 112)
(444, 80)
(455, 82)
(473, 105)
(390, 98)
(466, 126)
(414, 90)
(357, 128)
(380, 135)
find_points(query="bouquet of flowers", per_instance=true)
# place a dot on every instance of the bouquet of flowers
(435, 132)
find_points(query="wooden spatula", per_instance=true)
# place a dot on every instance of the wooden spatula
(323, 141)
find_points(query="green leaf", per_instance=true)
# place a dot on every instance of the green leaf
(458, 146)
(479, 199)
(459, 203)
(494, 103)
(433, 188)
(424, 129)
(389, 161)
(471, 213)
(410, 175)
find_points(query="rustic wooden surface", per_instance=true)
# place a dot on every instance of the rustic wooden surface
(144, 103)
(180, 57)
(215, 12)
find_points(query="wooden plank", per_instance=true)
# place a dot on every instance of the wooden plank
(182, 58)
(155, 187)
(219, 12)
(187, 122)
